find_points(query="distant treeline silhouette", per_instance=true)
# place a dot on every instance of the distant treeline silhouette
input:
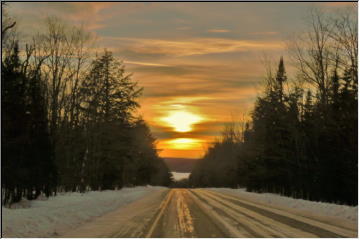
(67, 119)
(302, 140)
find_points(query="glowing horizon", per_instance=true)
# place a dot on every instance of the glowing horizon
(199, 63)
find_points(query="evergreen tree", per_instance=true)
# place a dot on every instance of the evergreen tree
(109, 98)
(28, 160)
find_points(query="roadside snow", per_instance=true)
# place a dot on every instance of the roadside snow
(179, 176)
(326, 209)
(56, 215)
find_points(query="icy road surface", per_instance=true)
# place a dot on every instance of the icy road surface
(204, 213)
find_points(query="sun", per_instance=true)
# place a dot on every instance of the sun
(182, 121)
(184, 143)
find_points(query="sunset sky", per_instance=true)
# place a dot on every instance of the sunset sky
(199, 63)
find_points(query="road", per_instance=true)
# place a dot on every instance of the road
(178, 213)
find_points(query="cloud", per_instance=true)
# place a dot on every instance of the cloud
(218, 30)
(145, 64)
(264, 33)
(192, 46)
(195, 80)
(90, 14)
(183, 28)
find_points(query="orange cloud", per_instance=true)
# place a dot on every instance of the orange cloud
(89, 13)
(218, 30)
(145, 63)
(195, 46)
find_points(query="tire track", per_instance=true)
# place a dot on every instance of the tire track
(320, 229)
(217, 217)
(184, 217)
(264, 225)
(205, 223)
(179, 213)
(164, 204)
(180, 216)
(227, 219)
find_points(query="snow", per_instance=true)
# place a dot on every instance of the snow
(57, 215)
(345, 212)
(179, 176)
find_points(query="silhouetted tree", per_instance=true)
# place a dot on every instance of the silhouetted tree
(68, 123)
(27, 158)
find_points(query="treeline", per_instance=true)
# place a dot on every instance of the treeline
(302, 138)
(68, 120)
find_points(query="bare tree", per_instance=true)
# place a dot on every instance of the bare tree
(66, 52)
(9, 35)
(345, 34)
(7, 23)
(313, 53)
(330, 44)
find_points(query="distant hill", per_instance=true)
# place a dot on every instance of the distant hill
(181, 165)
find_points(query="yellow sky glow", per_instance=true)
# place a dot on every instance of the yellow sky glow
(181, 120)
(184, 143)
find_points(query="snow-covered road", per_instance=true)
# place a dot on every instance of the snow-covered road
(60, 214)
(208, 213)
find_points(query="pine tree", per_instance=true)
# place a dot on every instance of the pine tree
(109, 99)
(280, 80)
(28, 160)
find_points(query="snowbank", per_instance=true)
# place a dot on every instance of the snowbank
(56, 215)
(179, 176)
(326, 209)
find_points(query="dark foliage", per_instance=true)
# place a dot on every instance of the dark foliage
(28, 167)
(304, 149)
(74, 132)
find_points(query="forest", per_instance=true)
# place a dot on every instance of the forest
(301, 139)
(68, 116)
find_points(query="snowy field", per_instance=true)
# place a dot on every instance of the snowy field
(56, 215)
(319, 208)
(179, 176)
